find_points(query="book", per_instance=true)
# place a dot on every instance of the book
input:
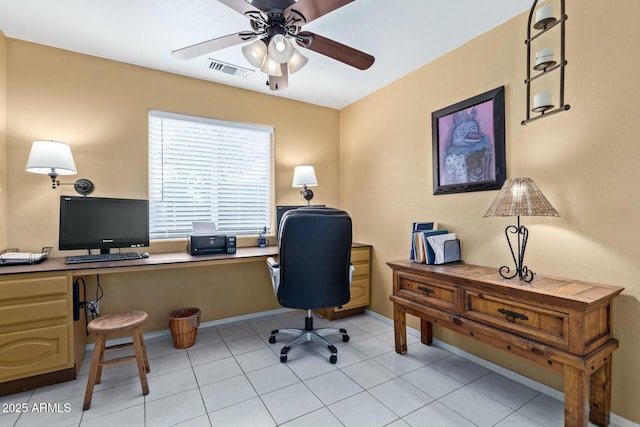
(420, 251)
(417, 226)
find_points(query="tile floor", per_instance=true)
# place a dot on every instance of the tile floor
(233, 377)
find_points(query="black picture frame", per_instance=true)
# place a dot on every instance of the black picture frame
(469, 144)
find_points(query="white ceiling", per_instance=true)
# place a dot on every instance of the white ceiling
(402, 35)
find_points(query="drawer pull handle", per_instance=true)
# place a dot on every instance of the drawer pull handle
(425, 290)
(511, 316)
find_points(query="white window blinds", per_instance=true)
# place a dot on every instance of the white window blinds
(207, 170)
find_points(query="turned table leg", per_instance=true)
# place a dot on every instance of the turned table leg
(400, 328)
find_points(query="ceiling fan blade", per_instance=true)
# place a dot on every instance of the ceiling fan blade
(213, 45)
(314, 9)
(245, 8)
(335, 50)
(280, 82)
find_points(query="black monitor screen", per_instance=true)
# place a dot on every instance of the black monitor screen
(103, 223)
(280, 210)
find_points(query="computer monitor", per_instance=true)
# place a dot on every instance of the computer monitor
(103, 223)
(280, 210)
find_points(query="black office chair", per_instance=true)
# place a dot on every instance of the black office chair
(313, 270)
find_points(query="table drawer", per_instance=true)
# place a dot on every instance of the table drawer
(537, 323)
(432, 293)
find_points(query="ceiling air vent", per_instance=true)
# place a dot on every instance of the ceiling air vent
(234, 70)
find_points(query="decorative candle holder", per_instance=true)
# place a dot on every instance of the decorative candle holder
(541, 102)
(544, 59)
(544, 18)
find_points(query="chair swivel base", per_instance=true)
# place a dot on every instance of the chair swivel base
(309, 334)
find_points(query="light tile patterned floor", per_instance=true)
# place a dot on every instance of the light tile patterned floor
(233, 377)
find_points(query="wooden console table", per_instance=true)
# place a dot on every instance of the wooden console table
(564, 325)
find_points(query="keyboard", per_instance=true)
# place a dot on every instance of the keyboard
(121, 256)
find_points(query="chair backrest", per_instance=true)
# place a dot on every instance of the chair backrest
(314, 257)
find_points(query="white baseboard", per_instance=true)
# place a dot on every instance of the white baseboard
(615, 421)
(167, 332)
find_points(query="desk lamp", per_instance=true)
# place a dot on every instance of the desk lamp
(519, 197)
(305, 176)
(54, 158)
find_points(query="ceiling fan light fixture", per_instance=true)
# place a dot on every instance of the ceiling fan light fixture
(297, 61)
(280, 49)
(272, 67)
(255, 53)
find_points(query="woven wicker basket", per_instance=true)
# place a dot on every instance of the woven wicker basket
(183, 324)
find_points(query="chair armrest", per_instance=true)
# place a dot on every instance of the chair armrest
(274, 272)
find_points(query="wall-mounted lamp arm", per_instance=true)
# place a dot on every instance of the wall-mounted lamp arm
(307, 193)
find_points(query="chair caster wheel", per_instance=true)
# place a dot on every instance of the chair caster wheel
(345, 338)
(272, 340)
(333, 359)
(283, 359)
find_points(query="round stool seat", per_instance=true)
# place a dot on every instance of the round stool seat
(111, 323)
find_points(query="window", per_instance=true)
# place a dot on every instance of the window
(208, 170)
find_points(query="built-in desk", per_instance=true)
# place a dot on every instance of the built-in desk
(155, 261)
(40, 344)
(565, 325)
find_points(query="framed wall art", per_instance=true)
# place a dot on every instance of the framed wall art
(468, 144)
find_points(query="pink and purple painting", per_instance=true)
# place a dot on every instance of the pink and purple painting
(469, 144)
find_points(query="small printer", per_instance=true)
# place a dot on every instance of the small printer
(199, 244)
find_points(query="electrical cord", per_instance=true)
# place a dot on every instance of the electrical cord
(93, 305)
(90, 307)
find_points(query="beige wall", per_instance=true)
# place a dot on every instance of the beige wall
(99, 107)
(584, 160)
(3, 141)
(373, 158)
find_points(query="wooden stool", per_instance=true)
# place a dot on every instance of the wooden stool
(111, 324)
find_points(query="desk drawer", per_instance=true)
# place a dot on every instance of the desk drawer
(537, 323)
(52, 311)
(360, 255)
(361, 270)
(33, 287)
(432, 293)
(34, 351)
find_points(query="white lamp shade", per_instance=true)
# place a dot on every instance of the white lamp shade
(255, 53)
(272, 68)
(304, 175)
(47, 155)
(297, 61)
(280, 49)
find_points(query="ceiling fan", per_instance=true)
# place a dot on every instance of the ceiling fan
(274, 23)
